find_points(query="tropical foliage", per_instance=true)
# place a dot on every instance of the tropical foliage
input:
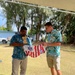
(34, 18)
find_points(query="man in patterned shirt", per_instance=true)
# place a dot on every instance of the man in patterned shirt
(19, 56)
(52, 42)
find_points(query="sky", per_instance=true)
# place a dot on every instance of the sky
(3, 20)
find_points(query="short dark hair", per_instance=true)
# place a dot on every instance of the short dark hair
(23, 28)
(48, 24)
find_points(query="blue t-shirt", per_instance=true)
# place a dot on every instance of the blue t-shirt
(54, 36)
(18, 51)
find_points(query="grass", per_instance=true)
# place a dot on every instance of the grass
(38, 66)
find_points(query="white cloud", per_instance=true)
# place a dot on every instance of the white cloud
(1, 9)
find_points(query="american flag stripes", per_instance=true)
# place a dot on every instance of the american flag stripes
(35, 52)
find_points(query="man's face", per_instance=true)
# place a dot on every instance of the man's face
(48, 29)
(23, 32)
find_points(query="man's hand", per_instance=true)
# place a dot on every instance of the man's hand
(44, 44)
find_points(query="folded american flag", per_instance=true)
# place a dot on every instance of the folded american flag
(34, 51)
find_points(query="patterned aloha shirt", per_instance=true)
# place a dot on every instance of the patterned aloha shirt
(54, 36)
(18, 51)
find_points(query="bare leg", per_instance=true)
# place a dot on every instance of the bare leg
(59, 72)
(53, 71)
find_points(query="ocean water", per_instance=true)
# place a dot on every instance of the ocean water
(6, 35)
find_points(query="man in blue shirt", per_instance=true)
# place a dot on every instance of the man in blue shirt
(19, 56)
(52, 42)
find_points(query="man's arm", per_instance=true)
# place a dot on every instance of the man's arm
(17, 44)
(51, 44)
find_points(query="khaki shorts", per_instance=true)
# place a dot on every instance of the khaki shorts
(53, 62)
